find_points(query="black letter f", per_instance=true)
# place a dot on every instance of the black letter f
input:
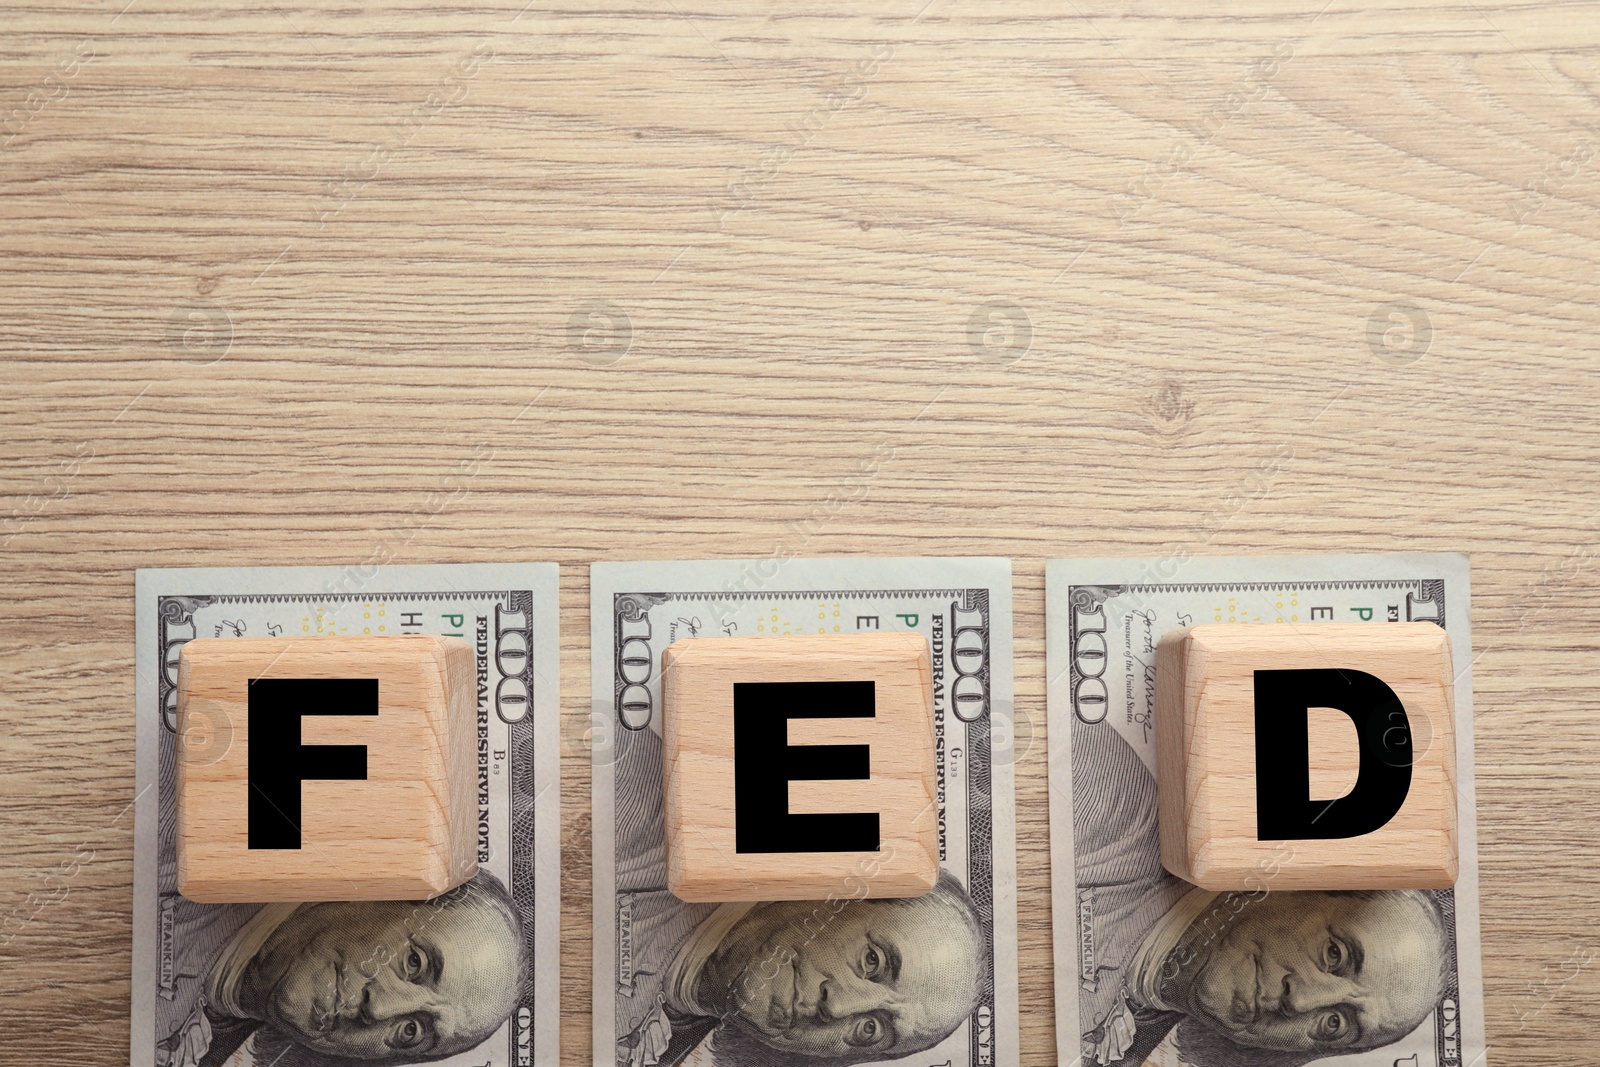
(278, 762)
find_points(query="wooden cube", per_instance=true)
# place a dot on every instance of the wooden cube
(1307, 756)
(799, 767)
(326, 768)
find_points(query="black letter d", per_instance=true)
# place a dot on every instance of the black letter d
(1284, 808)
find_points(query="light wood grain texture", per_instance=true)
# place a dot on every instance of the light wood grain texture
(230, 337)
(707, 860)
(406, 831)
(1208, 699)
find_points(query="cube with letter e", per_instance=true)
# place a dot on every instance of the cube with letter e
(1317, 756)
(799, 767)
(325, 768)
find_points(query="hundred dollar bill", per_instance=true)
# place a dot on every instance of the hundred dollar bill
(471, 977)
(928, 981)
(1150, 969)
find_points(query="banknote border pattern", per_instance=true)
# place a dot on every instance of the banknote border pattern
(633, 607)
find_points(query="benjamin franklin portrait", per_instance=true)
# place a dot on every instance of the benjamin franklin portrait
(341, 984)
(1269, 978)
(775, 984)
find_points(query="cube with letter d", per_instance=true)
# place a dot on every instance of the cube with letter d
(1317, 756)
(799, 767)
(326, 768)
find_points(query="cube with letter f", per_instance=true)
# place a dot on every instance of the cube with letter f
(325, 768)
(799, 767)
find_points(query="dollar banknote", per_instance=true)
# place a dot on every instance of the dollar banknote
(932, 980)
(470, 977)
(1151, 970)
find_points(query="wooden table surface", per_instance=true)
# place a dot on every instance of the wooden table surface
(285, 284)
